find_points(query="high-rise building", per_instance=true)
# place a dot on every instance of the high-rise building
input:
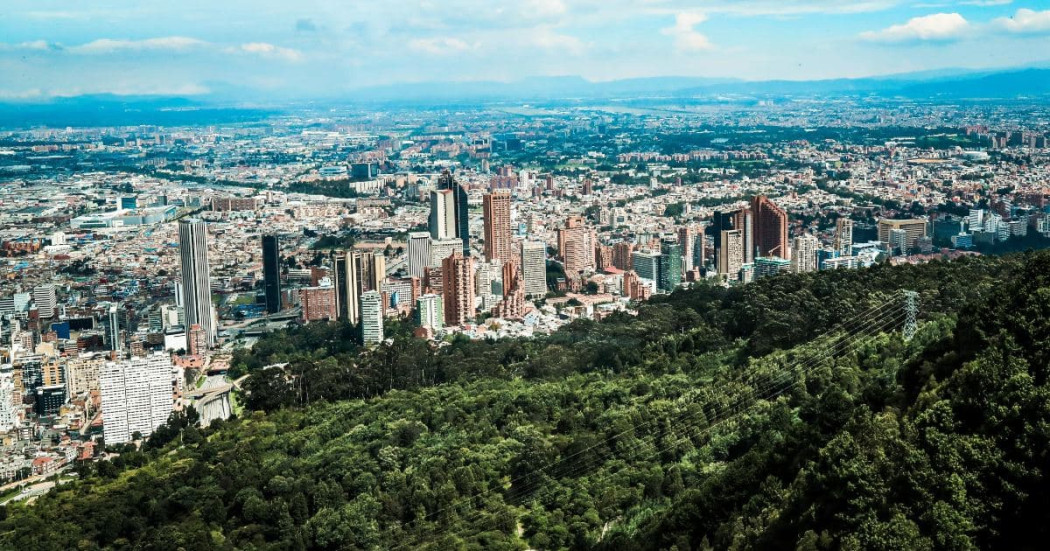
(804, 254)
(739, 220)
(646, 264)
(346, 287)
(496, 212)
(372, 317)
(318, 303)
(621, 257)
(731, 254)
(429, 311)
(576, 246)
(899, 241)
(196, 274)
(844, 236)
(356, 272)
(418, 253)
(686, 237)
(534, 268)
(46, 300)
(113, 329)
(442, 214)
(458, 282)
(272, 273)
(196, 340)
(914, 229)
(462, 215)
(670, 265)
(136, 396)
(770, 228)
(8, 413)
(440, 250)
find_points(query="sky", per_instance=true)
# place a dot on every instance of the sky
(320, 48)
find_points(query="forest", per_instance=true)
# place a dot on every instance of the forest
(790, 413)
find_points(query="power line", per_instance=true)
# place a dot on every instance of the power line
(865, 325)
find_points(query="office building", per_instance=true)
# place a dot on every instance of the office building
(372, 317)
(844, 236)
(430, 312)
(576, 243)
(318, 303)
(646, 264)
(418, 253)
(767, 266)
(136, 396)
(461, 214)
(458, 283)
(442, 249)
(670, 273)
(731, 254)
(272, 273)
(196, 274)
(356, 272)
(496, 213)
(49, 399)
(913, 228)
(804, 254)
(534, 268)
(442, 214)
(770, 228)
(621, 255)
(46, 300)
(113, 337)
(898, 241)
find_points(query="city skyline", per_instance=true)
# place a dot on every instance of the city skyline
(288, 51)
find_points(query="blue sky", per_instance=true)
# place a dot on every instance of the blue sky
(308, 48)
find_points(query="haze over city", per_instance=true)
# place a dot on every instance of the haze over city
(319, 49)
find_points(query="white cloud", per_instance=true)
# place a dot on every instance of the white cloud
(543, 8)
(686, 37)
(1025, 21)
(940, 27)
(266, 49)
(547, 39)
(438, 46)
(109, 45)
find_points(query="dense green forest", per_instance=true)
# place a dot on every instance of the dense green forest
(785, 414)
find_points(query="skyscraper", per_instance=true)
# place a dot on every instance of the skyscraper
(372, 317)
(136, 396)
(844, 236)
(534, 268)
(442, 214)
(496, 211)
(731, 254)
(113, 329)
(646, 265)
(272, 273)
(804, 254)
(576, 246)
(458, 282)
(46, 300)
(770, 227)
(356, 272)
(461, 213)
(196, 274)
(418, 253)
(670, 265)
(686, 237)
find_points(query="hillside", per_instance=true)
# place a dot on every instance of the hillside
(716, 419)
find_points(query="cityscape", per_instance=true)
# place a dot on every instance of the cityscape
(631, 314)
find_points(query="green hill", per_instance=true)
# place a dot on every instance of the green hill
(724, 419)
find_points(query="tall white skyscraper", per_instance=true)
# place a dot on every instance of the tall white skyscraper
(804, 254)
(8, 414)
(196, 273)
(534, 268)
(442, 214)
(46, 300)
(418, 253)
(844, 236)
(113, 328)
(372, 317)
(136, 396)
